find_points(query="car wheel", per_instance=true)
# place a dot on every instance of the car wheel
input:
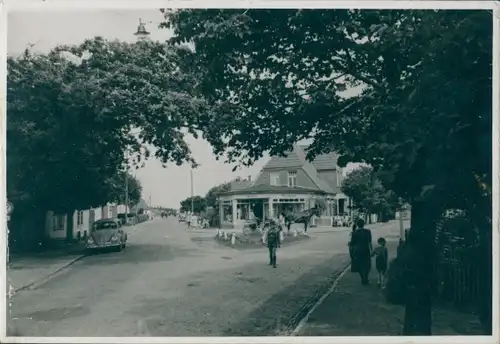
(119, 248)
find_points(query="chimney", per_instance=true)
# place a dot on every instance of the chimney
(249, 178)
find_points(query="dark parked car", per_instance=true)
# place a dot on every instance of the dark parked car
(121, 217)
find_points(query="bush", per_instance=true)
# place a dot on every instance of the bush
(396, 286)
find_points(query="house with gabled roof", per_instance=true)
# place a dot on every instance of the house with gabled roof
(289, 183)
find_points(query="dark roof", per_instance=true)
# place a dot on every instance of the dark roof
(297, 159)
(269, 189)
(322, 162)
(240, 184)
(291, 160)
(311, 171)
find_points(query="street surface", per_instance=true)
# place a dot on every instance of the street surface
(171, 281)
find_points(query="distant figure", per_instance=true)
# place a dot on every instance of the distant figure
(282, 221)
(188, 220)
(288, 220)
(194, 221)
(272, 238)
(362, 251)
(381, 261)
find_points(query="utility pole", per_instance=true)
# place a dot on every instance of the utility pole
(126, 192)
(192, 201)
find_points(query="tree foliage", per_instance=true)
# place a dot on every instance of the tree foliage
(134, 189)
(258, 66)
(367, 192)
(421, 118)
(70, 123)
(213, 193)
(197, 205)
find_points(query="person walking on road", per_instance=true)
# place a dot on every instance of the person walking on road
(362, 251)
(272, 238)
(381, 260)
(288, 220)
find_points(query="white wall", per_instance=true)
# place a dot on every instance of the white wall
(50, 231)
(61, 234)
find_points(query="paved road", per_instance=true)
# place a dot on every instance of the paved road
(171, 281)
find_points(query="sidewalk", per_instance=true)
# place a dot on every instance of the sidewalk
(356, 310)
(25, 270)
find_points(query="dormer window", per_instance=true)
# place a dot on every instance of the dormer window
(274, 178)
(292, 179)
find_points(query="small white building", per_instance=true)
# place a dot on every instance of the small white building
(56, 224)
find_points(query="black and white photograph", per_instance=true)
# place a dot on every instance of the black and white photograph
(252, 171)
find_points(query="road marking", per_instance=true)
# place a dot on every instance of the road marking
(304, 320)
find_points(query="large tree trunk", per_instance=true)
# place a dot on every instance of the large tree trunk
(420, 270)
(69, 225)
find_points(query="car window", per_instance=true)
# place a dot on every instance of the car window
(105, 225)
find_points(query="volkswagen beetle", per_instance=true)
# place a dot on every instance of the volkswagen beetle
(107, 234)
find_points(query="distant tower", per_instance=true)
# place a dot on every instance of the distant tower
(142, 34)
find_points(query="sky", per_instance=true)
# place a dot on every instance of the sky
(168, 186)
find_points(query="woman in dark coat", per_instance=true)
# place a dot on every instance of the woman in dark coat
(362, 248)
(351, 251)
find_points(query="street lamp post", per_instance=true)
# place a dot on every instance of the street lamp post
(142, 34)
(192, 201)
(126, 190)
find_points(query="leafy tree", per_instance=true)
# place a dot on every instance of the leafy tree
(422, 117)
(70, 123)
(198, 204)
(213, 193)
(367, 192)
(134, 189)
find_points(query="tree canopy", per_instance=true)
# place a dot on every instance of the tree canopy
(71, 124)
(198, 204)
(275, 77)
(367, 192)
(421, 115)
(134, 189)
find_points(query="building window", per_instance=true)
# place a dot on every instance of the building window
(339, 178)
(58, 222)
(292, 179)
(79, 218)
(275, 178)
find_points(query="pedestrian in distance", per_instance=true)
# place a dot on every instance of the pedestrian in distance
(362, 251)
(288, 220)
(272, 239)
(381, 261)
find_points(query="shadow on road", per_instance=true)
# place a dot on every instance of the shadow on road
(281, 312)
(139, 253)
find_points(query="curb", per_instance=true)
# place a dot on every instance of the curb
(301, 317)
(303, 321)
(47, 277)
